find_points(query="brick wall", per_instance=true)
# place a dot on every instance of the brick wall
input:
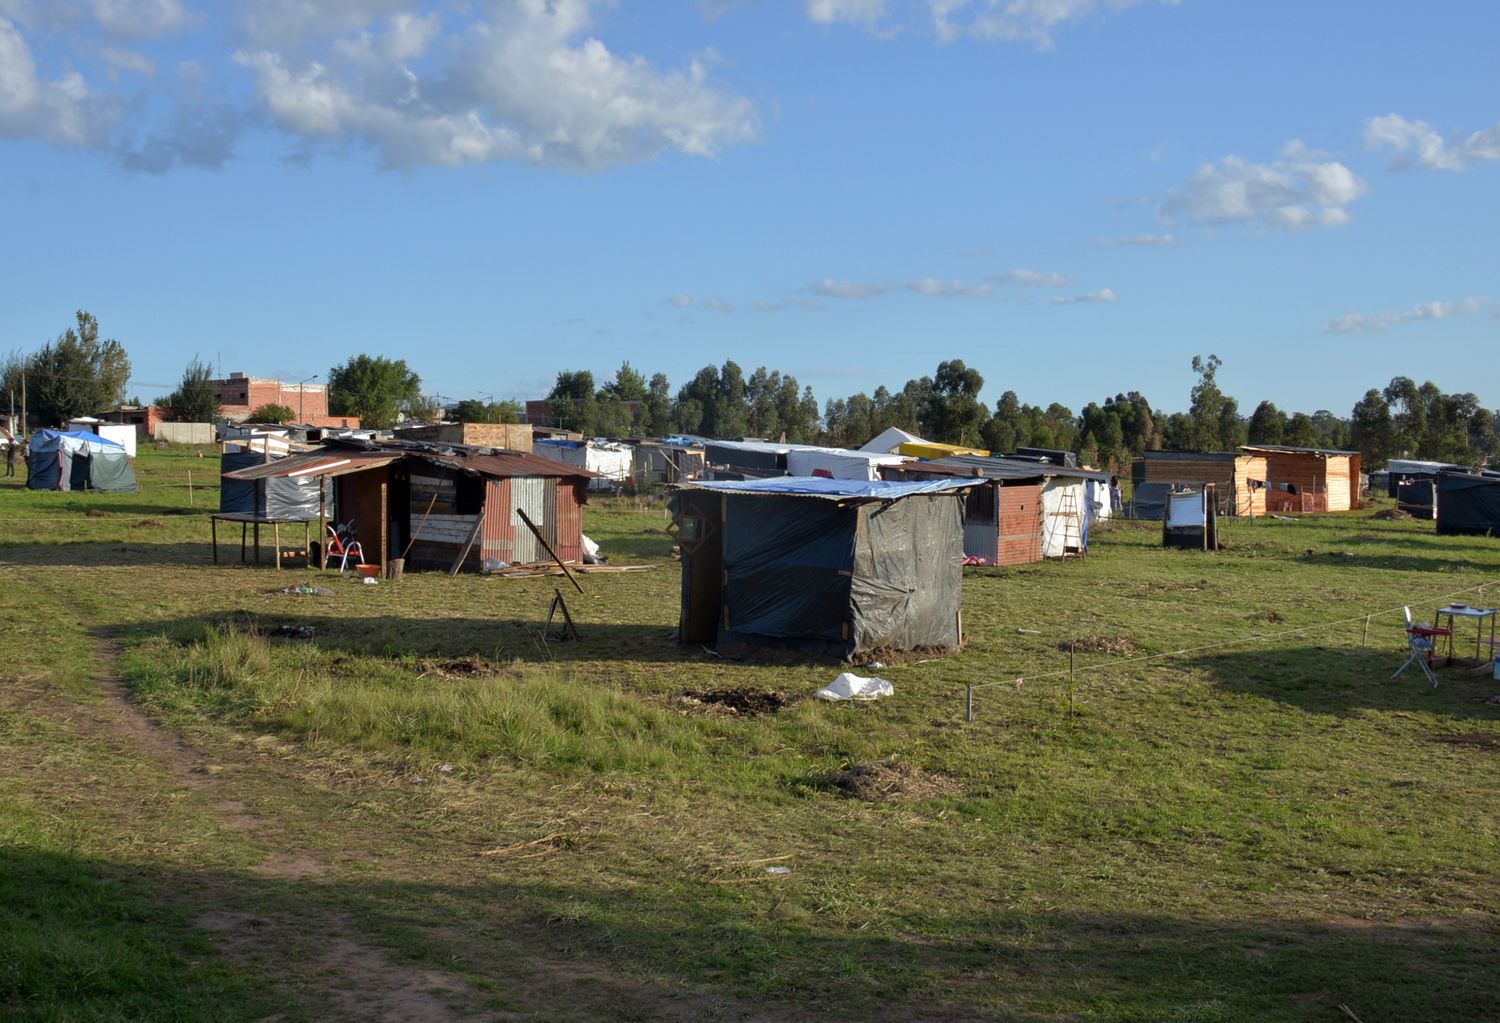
(240, 396)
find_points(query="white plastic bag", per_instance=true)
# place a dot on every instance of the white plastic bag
(852, 687)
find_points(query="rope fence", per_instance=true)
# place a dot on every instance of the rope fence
(1071, 672)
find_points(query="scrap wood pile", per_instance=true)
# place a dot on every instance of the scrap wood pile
(542, 568)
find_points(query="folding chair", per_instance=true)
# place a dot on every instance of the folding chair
(341, 544)
(1419, 640)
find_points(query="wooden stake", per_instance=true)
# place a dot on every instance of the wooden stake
(969, 701)
(1365, 640)
(548, 548)
(1071, 644)
(190, 488)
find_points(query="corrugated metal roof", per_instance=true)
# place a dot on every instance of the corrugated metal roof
(835, 490)
(1017, 469)
(1190, 456)
(335, 462)
(506, 464)
(1287, 450)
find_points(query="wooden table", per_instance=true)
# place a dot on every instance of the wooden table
(247, 521)
(1479, 614)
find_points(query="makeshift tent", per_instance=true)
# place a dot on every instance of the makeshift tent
(1418, 498)
(842, 566)
(836, 463)
(612, 462)
(1410, 470)
(62, 460)
(1468, 503)
(121, 433)
(1191, 520)
(1149, 501)
(889, 442)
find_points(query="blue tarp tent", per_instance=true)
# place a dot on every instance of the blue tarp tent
(74, 460)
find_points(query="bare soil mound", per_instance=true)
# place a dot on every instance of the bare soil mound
(889, 781)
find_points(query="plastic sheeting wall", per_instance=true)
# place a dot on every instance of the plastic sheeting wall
(908, 574)
(839, 465)
(293, 499)
(1065, 521)
(1468, 505)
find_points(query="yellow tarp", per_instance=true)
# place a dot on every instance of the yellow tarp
(929, 450)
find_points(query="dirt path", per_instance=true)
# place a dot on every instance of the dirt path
(344, 977)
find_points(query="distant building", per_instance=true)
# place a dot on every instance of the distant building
(241, 395)
(144, 418)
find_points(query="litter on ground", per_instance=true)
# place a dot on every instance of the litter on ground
(853, 687)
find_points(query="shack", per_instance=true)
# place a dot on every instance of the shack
(63, 460)
(1239, 478)
(505, 436)
(611, 462)
(443, 507)
(1191, 521)
(843, 567)
(658, 462)
(1309, 479)
(1027, 510)
(1468, 503)
(284, 498)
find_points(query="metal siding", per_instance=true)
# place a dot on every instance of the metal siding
(569, 523)
(528, 494)
(497, 535)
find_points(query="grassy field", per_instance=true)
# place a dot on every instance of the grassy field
(221, 801)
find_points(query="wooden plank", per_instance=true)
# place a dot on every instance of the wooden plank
(541, 540)
(473, 535)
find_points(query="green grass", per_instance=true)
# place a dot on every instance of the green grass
(1262, 829)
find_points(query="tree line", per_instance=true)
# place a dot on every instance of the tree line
(78, 373)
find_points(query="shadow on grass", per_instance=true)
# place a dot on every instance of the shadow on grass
(1346, 680)
(129, 553)
(774, 950)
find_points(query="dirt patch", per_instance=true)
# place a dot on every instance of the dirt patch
(889, 781)
(472, 666)
(152, 524)
(1486, 741)
(1390, 513)
(96, 513)
(1101, 644)
(733, 701)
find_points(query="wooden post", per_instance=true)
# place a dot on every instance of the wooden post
(548, 548)
(190, 488)
(213, 529)
(322, 527)
(276, 539)
(256, 530)
(1365, 639)
(1071, 644)
(385, 515)
(968, 701)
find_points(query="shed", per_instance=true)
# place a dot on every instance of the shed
(445, 506)
(658, 462)
(1191, 518)
(837, 463)
(1468, 504)
(611, 462)
(1237, 477)
(889, 441)
(288, 498)
(63, 460)
(839, 566)
(121, 433)
(1028, 510)
(1309, 479)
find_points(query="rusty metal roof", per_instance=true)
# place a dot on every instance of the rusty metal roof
(503, 464)
(340, 459)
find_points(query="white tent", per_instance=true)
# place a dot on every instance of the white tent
(890, 440)
(612, 461)
(1064, 516)
(838, 463)
(121, 433)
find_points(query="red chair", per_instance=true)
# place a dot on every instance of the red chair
(1420, 640)
(341, 544)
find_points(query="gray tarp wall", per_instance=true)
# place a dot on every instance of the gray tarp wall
(111, 473)
(293, 499)
(1468, 504)
(908, 573)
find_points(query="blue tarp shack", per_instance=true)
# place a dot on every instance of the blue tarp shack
(75, 460)
(842, 567)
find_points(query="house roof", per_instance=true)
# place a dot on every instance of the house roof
(314, 464)
(340, 458)
(1281, 449)
(834, 490)
(1190, 456)
(1017, 469)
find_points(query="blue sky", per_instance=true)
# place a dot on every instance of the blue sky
(1073, 196)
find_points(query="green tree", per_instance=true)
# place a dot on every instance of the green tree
(1267, 424)
(658, 407)
(1215, 418)
(77, 374)
(376, 389)
(950, 408)
(1301, 432)
(269, 413)
(425, 409)
(1371, 430)
(196, 399)
(628, 385)
(573, 402)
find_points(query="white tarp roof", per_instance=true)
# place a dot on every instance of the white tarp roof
(838, 463)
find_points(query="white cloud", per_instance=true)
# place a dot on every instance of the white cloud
(527, 83)
(953, 289)
(1159, 240)
(827, 12)
(1301, 188)
(715, 304)
(140, 19)
(1373, 323)
(1031, 278)
(777, 305)
(1032, 21)
(1420, 143)
(1089, 298)
(680, 301)
(830, 288)
(63, 111)
(120, 59)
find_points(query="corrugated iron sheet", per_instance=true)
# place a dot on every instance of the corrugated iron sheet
(497, 534)
(528, 494)
(319, 463)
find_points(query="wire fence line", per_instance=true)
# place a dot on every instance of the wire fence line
(1259, 637)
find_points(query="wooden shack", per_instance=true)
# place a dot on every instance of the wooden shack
(1309, 479)
(441, 507)
(1231, 474)
(505, 436)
